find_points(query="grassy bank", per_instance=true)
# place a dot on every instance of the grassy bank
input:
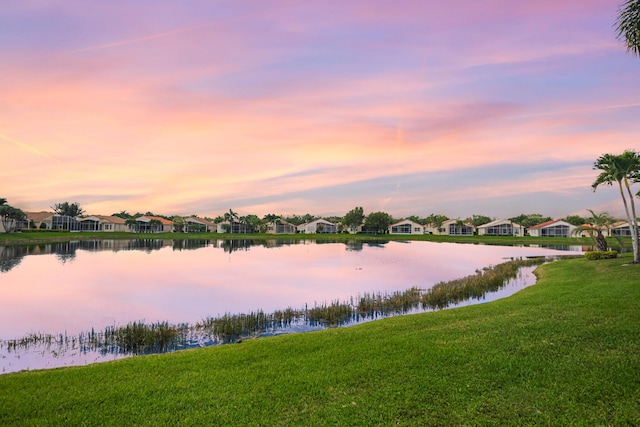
(565, 351)
(32, 237)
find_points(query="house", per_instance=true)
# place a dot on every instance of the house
(500, 227)
(36, 219)
(556, 228)
(65, 222)
(280, 227)
(198, 225)
(143, 224)
(621, 229)
(103, 223)
(236, 227)
(319, 226)
(406, 226)
(352, 229)
(452, 227)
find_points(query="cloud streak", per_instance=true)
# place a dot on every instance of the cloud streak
(313, 107)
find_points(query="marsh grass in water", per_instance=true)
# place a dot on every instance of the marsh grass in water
(142, 338)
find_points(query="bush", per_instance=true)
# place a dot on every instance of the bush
(595, 255)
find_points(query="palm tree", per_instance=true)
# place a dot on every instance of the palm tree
(625, 170)
(628, 25)
(232, 217)
(595, 227)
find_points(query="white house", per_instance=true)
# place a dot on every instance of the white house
(318, 226)
(557, 228)
(280, 227)
(406, 226)
(453, 227)
(500, 227)
(621, 229)
(195, 224)
(103, 223)
(144, 225)
(237, 227)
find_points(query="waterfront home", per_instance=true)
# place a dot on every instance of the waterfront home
(454, 227)
(236, 227)
(318, 226)
(103, 223)
(144, 224)
(556, 228)
(280, 227)
(406, 226)
(36, 219)
(621, 229)
(500, 227)
(193, 224)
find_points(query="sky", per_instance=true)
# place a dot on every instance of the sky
(464, 107)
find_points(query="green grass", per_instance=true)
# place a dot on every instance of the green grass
(563, 352)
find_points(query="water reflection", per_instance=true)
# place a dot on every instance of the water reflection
(11, 256)
(71, 287)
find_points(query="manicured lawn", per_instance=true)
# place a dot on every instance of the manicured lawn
(565, 351)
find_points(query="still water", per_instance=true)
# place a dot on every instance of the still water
(69, 288)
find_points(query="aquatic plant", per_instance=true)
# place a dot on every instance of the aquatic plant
(142, 338)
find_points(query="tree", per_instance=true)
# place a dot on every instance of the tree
(623, 169)
(530, 220)
(9, 216)
(415, 218)
(232, 217)
(478, 220)
(252, 222)
(179, 224)
(122, 214)
(595, 226)
(628, 26)
(576, 220)
(67, 209)
(436, 220)
(378, 222)
(354, 218)
(270, 217)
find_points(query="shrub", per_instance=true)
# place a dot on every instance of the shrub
(595, 255)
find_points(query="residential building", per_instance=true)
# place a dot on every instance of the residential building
(621, 229)
(556, 228)
(280, 227)
(500, 227)
(235, 228)
(453, 227)
(198, 225)
(159, 225)
(319, 226)
(406, 226)
(103, 223)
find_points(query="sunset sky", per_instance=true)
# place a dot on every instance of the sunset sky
(493, 107)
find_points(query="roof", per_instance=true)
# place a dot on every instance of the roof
(548, 223)
(198, 220)
(38, 216)
(404, 221)
(158, 218)
(110, 218)
(498, 222)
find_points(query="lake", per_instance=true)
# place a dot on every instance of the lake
(70, 288)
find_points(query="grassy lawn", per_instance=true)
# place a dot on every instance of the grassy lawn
(563, 352)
